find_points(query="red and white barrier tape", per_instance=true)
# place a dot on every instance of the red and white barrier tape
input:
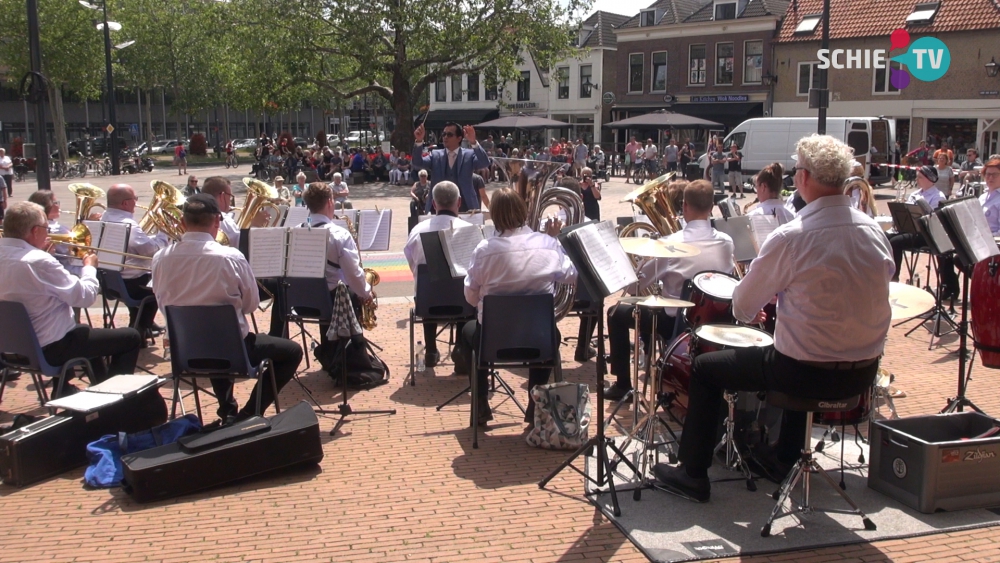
(900, 166)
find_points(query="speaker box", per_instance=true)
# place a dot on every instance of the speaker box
(202, 461)
(58, 443)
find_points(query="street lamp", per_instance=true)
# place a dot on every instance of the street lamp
(769, 79)
(106, 27)
(992, 68)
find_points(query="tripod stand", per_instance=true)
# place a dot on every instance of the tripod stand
(938, 315)
(344, 408)
(960, 401)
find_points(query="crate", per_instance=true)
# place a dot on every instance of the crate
(929, 463)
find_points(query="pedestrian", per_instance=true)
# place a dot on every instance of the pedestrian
(7, 171)
(734, 160)
(180, 159)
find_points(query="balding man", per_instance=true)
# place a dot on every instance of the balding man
(121, 207)
(7, 171)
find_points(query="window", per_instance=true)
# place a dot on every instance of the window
(753, 55)
(724, 63)
(647, 18)
(492, 93)
(923, 13)
(808, 78)
(472, 90)
(883, 82)
(441, 90)
(808, 23)
(586, 80)
(456, 88)
(659, 71)
(524, 86)
(725, 10)
(562, 73)
(696, 64)
(635, 72)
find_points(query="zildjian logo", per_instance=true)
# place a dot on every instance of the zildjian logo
(978, 455)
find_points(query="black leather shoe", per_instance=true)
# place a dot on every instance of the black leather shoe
(616, 392)
(590, 353)
(676, 480)
(432, 358)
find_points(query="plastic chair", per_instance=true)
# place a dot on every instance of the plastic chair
(518, 331)
(206, 341)
(113, 288)
(307, 300)
(20, 351)
(440, 301)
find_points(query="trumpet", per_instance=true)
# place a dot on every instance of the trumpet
(79, 239)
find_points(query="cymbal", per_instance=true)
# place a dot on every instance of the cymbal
(656, 302)
(907, 301)
(658, 248)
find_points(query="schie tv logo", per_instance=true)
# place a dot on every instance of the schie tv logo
(927, 59)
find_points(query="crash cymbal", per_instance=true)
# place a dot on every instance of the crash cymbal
(656, 302)
(907, 301)
(658, 248)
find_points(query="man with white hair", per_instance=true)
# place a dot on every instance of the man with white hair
(828, 337)
(340, 192)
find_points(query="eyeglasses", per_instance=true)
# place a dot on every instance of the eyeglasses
(449, 134)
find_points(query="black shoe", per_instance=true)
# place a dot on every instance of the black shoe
(529, 413)
(590, 353)
(156, 329)
(678, 481)
(13, 375)
(485, 414)
(432, 358)
(616, 392)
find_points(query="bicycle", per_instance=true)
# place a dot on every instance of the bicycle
(231, 160)
(645, 171)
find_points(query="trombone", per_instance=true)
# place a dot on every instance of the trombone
(79, 239)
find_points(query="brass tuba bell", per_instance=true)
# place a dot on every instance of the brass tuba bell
(261, 198)
(164, 213)
(654, 201)
(86, 199)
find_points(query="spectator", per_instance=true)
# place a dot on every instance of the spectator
(670, 153)
(180, 159)
(418, 194)
(299, 188)
(734, 160)
(968, 168)
(340, 193)
(717, 160)
(580, 154)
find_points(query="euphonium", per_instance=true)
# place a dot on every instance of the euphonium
(529, 178)
(654, 201)
(260, 197)
(164, 213)
(86, 199)
(867, 199)
(368, 320)
(747, 207)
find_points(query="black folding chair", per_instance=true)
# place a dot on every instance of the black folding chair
(437, 300)
(307, 301)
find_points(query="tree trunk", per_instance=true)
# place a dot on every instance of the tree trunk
(150, 138)
(58, 119)
(402, 135)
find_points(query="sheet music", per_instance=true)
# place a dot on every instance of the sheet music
(84, 401)
(307, 253)
(603, 249)
(738, 228)
(489, 231)
(267, 252)
(296, 216)
(373, 229)
(114, 236)
(123, 384)
(96, 227)
(474, 218)
(762, 226)
(975, 230)
(458, 245)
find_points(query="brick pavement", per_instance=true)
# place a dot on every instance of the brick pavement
(409, 487)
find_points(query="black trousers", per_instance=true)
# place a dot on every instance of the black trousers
(620, 321)
(901, 242)
(758, 369)
(120, 344)
(138, 288)
(286, 357)
(471, 334)
(430, 336)
(9, 179)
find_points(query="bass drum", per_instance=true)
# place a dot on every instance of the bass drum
(985, 304)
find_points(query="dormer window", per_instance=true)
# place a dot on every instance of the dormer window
(647, 18)
(725, 10)
(923, 14)
(808, 24)
(584, 35)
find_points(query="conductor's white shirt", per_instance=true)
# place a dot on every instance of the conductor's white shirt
(48, 291)
(520, 262)
(199, 271)
(138, 242)
(830, 268)
(341, 250)
(414, 249)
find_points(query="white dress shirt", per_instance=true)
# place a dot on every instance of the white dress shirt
(138, 242)
(790, 205)
(991, 207)
(521, 262)
(830, 268)
(228, 226)
(199, 271)
(773, 207)
(48, 291)
(341, 250)
(716, 254)
(931, 195)
(414, 249)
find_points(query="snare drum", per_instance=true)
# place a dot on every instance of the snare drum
(712, 295)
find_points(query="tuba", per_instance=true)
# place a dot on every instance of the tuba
(86, 199)
(529, 178)
(164, 213)
(261, 198)
(654, 200)
(368, 318)
(866, 203)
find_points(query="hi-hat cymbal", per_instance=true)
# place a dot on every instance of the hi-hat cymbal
(907, 301)
(658, 248)
(656, 302)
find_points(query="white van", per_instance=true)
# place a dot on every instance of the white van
(772, 139)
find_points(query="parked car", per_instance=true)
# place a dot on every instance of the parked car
(164, 147)
(355, 138)
(245, 143)
(300, 142)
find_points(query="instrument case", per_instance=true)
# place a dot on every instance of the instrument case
(935, 462)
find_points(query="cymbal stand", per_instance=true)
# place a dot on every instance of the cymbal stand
(734, 460)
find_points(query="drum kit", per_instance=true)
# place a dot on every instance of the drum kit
(712, 327)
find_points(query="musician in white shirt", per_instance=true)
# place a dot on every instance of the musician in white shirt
(199, 271)
(220, 188)
(768, 184)
(991, 199)
(121, 206)
(716, 254)
(446, 201)
(829, 336)
(31, 276)
(52, 208)
(517, 261)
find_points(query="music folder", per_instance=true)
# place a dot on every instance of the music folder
(275, 252)
(458, 244)
(602, 265)
(739, 229)
(966, 225)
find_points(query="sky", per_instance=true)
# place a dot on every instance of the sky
(624, 7)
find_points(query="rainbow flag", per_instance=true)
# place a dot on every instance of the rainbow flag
(391, 266)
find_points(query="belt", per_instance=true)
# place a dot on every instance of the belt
(843, 366)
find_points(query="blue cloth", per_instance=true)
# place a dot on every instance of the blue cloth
(104, 456)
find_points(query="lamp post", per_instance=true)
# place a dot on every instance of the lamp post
(992, 68)
(106, 26)
(37, 96)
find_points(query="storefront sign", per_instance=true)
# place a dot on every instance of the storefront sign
(720, 99)
(524, 105)
(608, 98)
(988, 92)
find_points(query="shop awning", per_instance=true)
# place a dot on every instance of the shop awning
(437, 118)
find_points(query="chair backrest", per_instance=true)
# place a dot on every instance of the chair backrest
(437, 263)
(206, 339)
(518, 329)
(19, 347)
(308, 298)
(113, 287)
(440, 297)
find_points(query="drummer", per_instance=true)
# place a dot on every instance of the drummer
(716, 254)
(991, 199)
(829, 336)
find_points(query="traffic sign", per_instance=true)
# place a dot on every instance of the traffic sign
(110, 128)
(133, 128)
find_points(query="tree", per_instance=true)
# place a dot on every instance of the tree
(398, 48)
